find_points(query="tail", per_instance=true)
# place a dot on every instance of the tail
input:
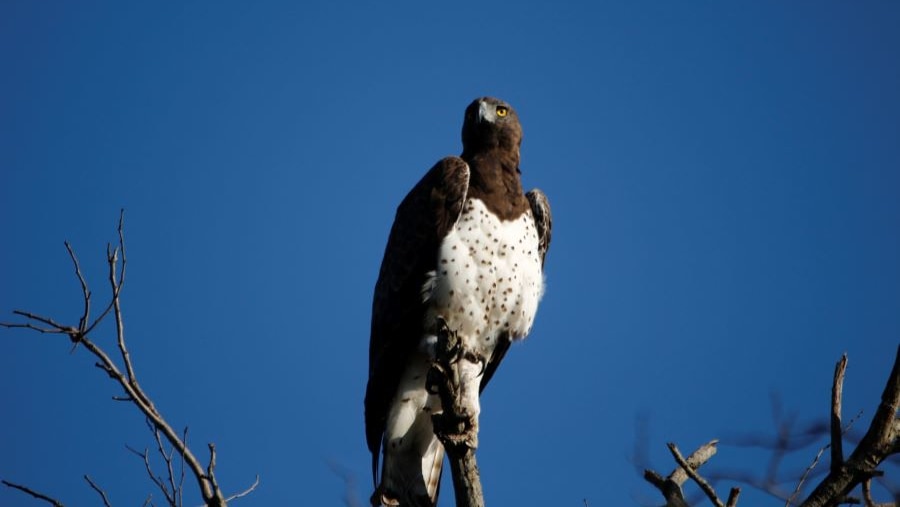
(411, 477)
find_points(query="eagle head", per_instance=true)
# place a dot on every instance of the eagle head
(491, 123)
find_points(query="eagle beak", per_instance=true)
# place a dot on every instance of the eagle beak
(486, 112)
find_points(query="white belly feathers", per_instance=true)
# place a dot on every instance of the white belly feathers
(488, 281)
(489, 278)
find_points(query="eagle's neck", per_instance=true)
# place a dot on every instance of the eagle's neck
(494, 179)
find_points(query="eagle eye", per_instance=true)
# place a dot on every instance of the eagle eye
(502, 111)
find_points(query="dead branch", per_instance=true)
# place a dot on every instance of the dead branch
(99, 491)
(837, 432)
(879, 442)
(671, 486)
(127, 380)
(691, 471)
(35, 494)
(245, 492)
(455, 377)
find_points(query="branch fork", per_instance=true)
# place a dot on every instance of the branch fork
(127, 380)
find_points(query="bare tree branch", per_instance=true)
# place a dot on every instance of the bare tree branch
(145, 456)
(455, 377)
(35, 494)
(733, 496)
(99, 491)
(134, 393)
(809, 469)
(82, 322)
(245, 492)
(167, 458)
(692, 473)
(671, 487)
(836, 429)
(837, 432)
(877, 444)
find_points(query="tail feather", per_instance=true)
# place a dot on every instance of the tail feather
(411, 479)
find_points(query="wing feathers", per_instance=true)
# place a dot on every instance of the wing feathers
(540, 210)
(424, 217)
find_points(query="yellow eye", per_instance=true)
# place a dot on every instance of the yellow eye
(502, 111)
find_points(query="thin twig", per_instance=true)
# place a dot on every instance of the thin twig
(57, 327)
(806, 473)
(28, 325)
(209, 489)
(35, 494)
(815, 461)
(86, 294)
(154, 478)
(167, 457)
(98, 490)
(245, 492)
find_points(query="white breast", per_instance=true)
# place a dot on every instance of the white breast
(489, 278)
(488, 281)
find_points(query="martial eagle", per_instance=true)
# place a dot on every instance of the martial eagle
(467, 250)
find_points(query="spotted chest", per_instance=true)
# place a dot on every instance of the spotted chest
(489, 278)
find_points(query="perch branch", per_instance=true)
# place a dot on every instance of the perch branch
(455, 377)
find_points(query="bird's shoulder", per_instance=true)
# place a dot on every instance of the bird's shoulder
(543, 219)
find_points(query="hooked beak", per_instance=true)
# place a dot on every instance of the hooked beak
(486, 112)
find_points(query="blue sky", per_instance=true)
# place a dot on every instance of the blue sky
(725, 181)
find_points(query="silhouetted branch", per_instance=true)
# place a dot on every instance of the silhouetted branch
(99, 491)
(881, 440)
(837, 432)
(35, 494)
(127, 380)
(878, 443)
